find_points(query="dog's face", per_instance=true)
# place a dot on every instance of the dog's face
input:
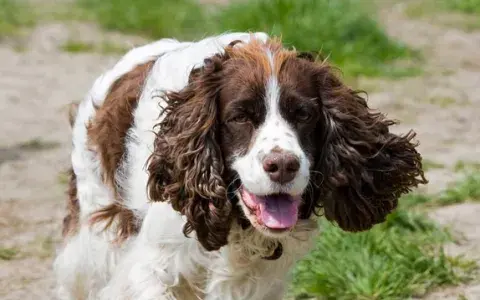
(270, 122)
(283, 134)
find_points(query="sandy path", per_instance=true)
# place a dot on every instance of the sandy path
(38, 83)
(443, 106)
(36, 86)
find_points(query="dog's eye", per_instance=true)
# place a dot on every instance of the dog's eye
(240, 119)
(303, 116)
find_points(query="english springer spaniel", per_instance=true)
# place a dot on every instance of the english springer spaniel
(199, 170)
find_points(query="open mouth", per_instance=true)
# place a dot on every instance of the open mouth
(277, 212)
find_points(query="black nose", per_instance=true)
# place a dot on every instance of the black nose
(281, 166)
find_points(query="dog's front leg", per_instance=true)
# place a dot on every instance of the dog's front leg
(160, 262)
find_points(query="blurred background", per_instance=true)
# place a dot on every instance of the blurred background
(419, 61)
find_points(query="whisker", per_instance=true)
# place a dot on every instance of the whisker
(235, 179)
(315, 183)
(309, 191)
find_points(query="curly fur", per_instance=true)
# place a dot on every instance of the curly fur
(365, 168)
(186, 166)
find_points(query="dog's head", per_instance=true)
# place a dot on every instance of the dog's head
(280, 133)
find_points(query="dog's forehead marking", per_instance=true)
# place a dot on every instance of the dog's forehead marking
(268, 55)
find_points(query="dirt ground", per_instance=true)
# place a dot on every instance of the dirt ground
(38, 80)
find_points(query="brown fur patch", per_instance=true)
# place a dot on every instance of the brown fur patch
(71, 220)
(106, 135)
(127, 225)
(267, 57)
(72, 113)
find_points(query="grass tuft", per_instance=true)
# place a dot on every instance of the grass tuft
(42, 247)
(466, 166)
(38, 144)
(343, 30)
(73, 46)
(464, 6)
(398, 259)
(14, 14)
(443, 102)
(8, 253)
(466, 189)
(430, 164)
(463, 190)
(105, 47)
(63, 178)
(413, 200)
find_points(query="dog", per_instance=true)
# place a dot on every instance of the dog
(200, 169)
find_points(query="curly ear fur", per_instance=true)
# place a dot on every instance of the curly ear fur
(365, 167)
(186, 166)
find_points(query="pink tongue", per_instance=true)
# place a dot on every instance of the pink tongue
(279, 211)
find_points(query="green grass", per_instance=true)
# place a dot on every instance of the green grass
(47, 248)
(63, 177)
(443, 102)
(398, 259)
(73, 46)
(420, 8)
(42, 247)
(462, 14)
(14, 14)
(430, 164)
(464, 6)
(105, 47)
(467, 166)
(37, 144)
(345, 30)
(8, 253)
(462, 191)
(153, 18)
(413, 200)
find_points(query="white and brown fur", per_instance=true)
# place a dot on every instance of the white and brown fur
(159, 151)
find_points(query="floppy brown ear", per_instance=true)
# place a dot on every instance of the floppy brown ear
(365, 167)
(186, 166)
